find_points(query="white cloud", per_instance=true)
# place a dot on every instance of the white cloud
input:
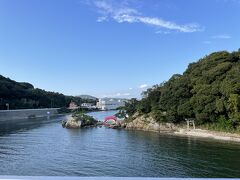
(162, 32)
(169, 25)
(143, 86)
(102, 18)
(130, 88)
(230, 1)
(207, 42)
(119, 95)
(124, 14)
(216, 37)
(222, 36)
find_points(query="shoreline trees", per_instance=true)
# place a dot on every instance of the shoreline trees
(208, 91)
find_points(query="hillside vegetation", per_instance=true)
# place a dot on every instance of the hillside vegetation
(24, 95)
(208, 91)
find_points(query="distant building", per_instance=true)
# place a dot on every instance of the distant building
(73, 106)
(88, 106)
(110, 103)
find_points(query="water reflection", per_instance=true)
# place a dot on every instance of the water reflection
(43, 147)
(12, 126)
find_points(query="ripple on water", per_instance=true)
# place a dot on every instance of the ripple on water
(48, 149)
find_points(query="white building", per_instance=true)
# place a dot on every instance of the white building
(88, 106)
(110, 103)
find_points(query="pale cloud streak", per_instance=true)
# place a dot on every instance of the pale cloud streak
(143, 86)
(117, 95)
(132, 92)
(124, 14)
(230, 1)
(207, 42)
(217, 37)
(222, 36)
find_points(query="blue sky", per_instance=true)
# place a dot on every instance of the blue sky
(109, 47)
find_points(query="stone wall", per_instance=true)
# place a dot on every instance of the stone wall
(26, 113)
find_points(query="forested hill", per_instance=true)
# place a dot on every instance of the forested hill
(24, 95)
(209, 91)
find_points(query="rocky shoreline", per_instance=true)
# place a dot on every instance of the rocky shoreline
(149, 124)
(201, 133)
(74, 121)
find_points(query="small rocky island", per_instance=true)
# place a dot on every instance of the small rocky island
(80, 120)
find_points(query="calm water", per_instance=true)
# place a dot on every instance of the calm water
(43, 147)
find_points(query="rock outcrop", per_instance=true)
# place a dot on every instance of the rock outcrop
(149, 124)
(77, 121)
(72, 123)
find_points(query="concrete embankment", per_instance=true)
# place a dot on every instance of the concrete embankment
(27, 113)
(149, 124)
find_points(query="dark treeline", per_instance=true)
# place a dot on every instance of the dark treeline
(208, 91)
(24, 95)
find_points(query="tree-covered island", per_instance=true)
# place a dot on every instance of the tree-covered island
(208, 91)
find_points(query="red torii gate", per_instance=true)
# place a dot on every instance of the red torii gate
(110, 120)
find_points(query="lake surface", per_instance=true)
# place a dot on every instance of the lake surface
(42, 147)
